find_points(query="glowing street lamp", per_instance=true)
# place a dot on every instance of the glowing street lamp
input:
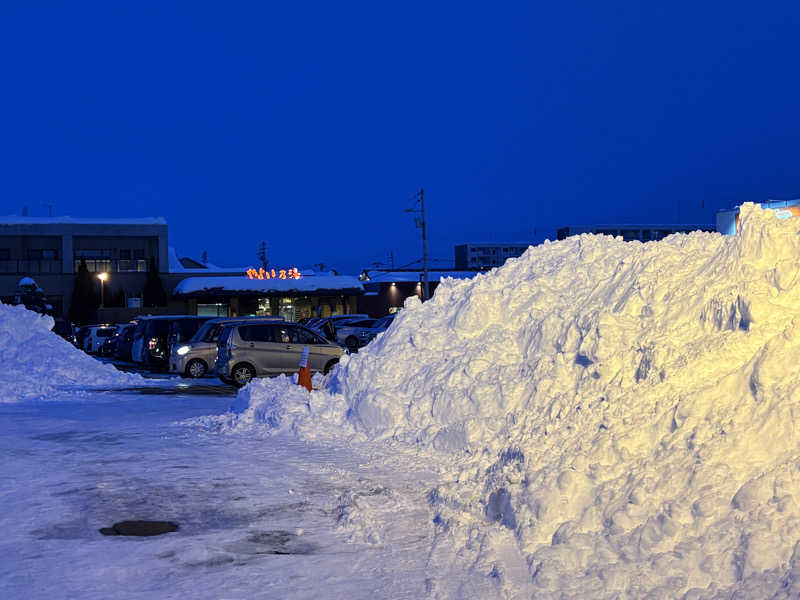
(102, 277)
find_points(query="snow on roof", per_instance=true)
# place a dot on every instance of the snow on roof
(398, 276)
(18, 220)
(175, 266)
(192, 285)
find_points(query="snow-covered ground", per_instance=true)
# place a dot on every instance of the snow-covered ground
(260, 517)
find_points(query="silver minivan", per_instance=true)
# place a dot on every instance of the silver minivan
(196, 357)
(248, 350)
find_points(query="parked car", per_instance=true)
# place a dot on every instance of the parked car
(354, 334)
(110, 345)
(150, 346)
(81, 333)
(63, 329)
(325, 327)
(328, 326)
(196, 357)
(248, 350)
(124, 338)
(380, 326)
(342, 319)
(182, 330)
(96, 335)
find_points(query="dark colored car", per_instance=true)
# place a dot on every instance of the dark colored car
(111, 344)
(182, 330)
(64, 329)
(151, 346)
(124, 339)
(80, 336)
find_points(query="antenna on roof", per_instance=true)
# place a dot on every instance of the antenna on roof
(49, 208)
(24, 211)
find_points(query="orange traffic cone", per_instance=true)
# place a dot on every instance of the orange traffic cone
(304, 377)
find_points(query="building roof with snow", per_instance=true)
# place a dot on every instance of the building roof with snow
(24, 220)
(191, 266)
(309, 283)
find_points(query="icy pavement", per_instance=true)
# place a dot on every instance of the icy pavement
(259, 517)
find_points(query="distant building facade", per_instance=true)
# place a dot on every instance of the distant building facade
(474, 257)
(629, 233)
(49, 249)
(386, 290)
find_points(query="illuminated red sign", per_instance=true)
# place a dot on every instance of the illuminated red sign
(273, 274)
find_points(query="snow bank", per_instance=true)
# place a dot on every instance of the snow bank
(36, 362)
(625, 411)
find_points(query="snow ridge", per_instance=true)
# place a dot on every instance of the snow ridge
(37, 363)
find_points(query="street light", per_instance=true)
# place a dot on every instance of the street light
(102, 277)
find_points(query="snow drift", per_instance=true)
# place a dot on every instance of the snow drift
(625, 410)
(36, 362)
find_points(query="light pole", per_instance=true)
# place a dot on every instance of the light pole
(102, 277)
(419, 207)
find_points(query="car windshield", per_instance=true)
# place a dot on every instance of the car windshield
(185, 328)
(202, 333)
(212, 333)
(362, 323)
(105, 332)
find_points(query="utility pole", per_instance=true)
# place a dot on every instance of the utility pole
(262, 255)
(420, 223)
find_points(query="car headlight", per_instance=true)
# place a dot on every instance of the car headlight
(182, 350)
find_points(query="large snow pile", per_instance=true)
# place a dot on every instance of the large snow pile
(625, 410)
(35, 362)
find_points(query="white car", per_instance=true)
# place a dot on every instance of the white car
(97, 335)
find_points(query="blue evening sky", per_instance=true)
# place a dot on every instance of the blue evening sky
(310, 125)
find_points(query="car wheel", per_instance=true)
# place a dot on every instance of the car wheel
(352, 343)
(330, 364)
(242, 374)
(196, 368)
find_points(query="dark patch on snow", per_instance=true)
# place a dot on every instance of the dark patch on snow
(499, 509)
(583, 360)
(269, 542)
(177, 390)
(140, 528)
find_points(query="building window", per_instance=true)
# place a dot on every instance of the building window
(41, 254)
(212, 310)
(93, 253)
(5, 254)
(125, 254)
(138, 254)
